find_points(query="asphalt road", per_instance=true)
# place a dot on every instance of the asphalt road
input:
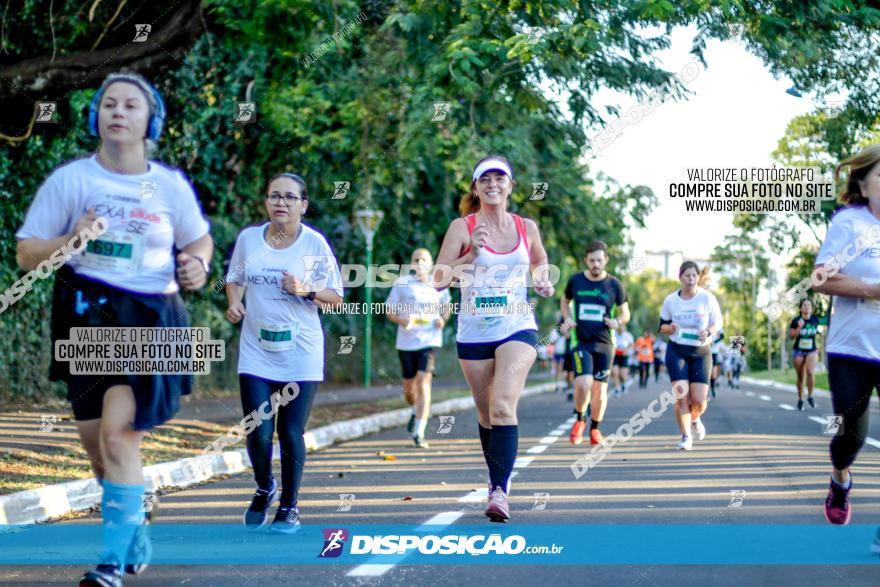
(755, 444)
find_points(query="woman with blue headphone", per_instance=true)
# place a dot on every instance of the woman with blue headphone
(148, 238)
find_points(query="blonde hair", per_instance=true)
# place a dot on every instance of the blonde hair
(859, 165)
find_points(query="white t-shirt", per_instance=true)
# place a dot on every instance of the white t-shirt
(422, 301)
(855, 323)
(281, 338)
(660, 350)
(691, 316)
(147, 215)
(621, 341)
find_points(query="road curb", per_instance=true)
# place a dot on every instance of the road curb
(51, 501)
(782, 386)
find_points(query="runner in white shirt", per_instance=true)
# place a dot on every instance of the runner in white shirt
(623, 347)
(279, 275)
(123, 277)
(691, 318)
(497, 333)
(853, 343)
(718, 349)
(420, 312)
(659, 357)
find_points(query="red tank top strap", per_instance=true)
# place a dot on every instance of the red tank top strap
(521, 229)
(471, 220)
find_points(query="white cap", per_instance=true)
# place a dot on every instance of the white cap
(492, 165)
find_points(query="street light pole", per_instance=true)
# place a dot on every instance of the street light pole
(368, 221)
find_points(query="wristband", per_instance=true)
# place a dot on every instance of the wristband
(311, 296)
(204, 263)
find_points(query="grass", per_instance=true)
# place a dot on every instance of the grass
(789, 376)
(23, 468)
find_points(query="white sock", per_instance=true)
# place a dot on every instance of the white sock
(413, 410)
(420, 427)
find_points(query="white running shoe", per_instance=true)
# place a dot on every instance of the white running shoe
(686, 443)
(698, 429)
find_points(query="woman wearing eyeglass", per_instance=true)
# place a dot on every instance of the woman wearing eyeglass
(287, 270)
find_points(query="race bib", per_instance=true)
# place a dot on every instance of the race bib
(591, 312)
(689, 336)
(805, 344)
(866, 305)
(494, 305)
(869, 305)
(117, 253)
(276, 337)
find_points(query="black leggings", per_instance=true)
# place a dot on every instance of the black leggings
(852, 383)
(291, 426)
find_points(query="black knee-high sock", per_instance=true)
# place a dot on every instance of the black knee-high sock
(485, 436)
(502, 454)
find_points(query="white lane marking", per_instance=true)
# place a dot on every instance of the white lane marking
(818, 420)
(368, 570)
(447, 518)
(750, 394)
(443, 519)
(872, 442)
(522, 462)
(787, 407)
(478, 495)
(766, 398)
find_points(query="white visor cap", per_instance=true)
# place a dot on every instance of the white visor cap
(492, 165)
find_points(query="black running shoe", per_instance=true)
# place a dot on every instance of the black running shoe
(411, 425)
(286, 521)
(102, 576)
(570, 397)
(801, 405)
(811, 402)
(420, 442)
(257, 514)
(141, 549)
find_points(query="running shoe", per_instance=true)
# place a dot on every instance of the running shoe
(801, 405)
(875, 546)
(257, 513)
(577, 432)
(286, 521)
(498, 509)
(811, 402)
(699, 431)
(141, 549)
(420, 441)
(104, 575)
(570, 397)
(411, 425)
(596, 436)
(837, 510)
(686, 443)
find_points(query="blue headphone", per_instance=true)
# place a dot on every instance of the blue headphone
(157, 120)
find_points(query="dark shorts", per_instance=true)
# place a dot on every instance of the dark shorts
(686, 363)
(620, 361)
(480, 351)
(567, 362)
(411, 362)
(593, 361)
(795, 353)
(79, 302)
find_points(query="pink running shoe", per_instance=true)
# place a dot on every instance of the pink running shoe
(837, 510)
(498, 510)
